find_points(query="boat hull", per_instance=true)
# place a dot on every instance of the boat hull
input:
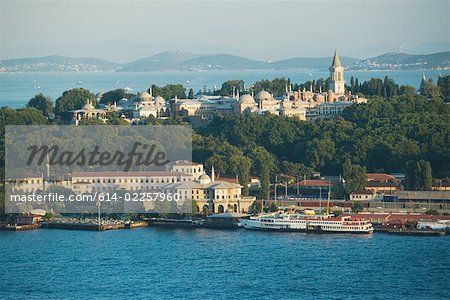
(286, 227)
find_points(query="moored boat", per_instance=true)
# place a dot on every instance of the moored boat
(308, 223)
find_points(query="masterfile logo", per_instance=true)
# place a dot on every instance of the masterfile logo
(126, 168)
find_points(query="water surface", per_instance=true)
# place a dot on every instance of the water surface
(205, 264)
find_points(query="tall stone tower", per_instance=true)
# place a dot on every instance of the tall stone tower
(337, 75)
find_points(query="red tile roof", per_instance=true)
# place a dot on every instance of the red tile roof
(379, 177)
(227, 179)
(380, 184)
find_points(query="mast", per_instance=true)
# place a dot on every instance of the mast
(329, 195)
(275, 190)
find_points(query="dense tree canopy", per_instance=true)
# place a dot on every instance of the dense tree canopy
(169, 91)
(277, 86)
(231, 85)
(73, 99)
(382, 135)
(115, 96)
(42, 103)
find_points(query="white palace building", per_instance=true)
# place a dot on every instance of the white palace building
(187, 179)
(304, 105)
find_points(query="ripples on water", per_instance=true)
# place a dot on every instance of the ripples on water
(177, 264)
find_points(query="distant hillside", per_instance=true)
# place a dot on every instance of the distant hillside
(403, 61)
(179, 60)
(222, 61)
(186, 61)
(310, 62)
(169, 60)
(56, 63)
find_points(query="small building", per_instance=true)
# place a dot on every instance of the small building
(87, 112)
(365, 195)
(381, 183)
(423, 196)
(441, 184)
(314, 188)
(27, 219)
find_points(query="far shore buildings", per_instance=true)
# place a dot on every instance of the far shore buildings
(187, 179)
(302, 104)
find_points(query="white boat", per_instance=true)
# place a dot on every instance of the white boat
(308, 223)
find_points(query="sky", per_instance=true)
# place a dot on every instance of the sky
(123, 31)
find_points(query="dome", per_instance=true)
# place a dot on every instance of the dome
(204, 179)
(88, 105)
(160, 100)
(123, 100)
(246, 99)
(263, 95)
(145, 96)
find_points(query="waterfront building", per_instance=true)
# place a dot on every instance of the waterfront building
(212, 196)
(88, 182)
(187, 179)
(439, 197)
(381, 183)
(365, 195)
(31, 183)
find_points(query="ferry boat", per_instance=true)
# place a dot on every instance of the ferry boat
(308, 223)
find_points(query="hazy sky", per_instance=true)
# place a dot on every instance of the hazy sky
(270, 30)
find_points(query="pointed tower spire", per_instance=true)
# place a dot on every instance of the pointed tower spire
(212, 173)
(336, 60)
(424, 78)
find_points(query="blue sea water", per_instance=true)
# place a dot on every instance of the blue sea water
(16, 89)
(152, 263)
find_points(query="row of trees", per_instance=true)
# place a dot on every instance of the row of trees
(388, 88)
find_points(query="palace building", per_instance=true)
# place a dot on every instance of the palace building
(187, 179)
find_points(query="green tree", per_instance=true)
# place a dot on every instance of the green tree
(265, 165)
(418, 176)
(230, 85)
(73, 99)
(191, 94)
(428, 89)
(42, 103)
(169, 91)
(114, 96)
(354, 175)
(444, 85)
